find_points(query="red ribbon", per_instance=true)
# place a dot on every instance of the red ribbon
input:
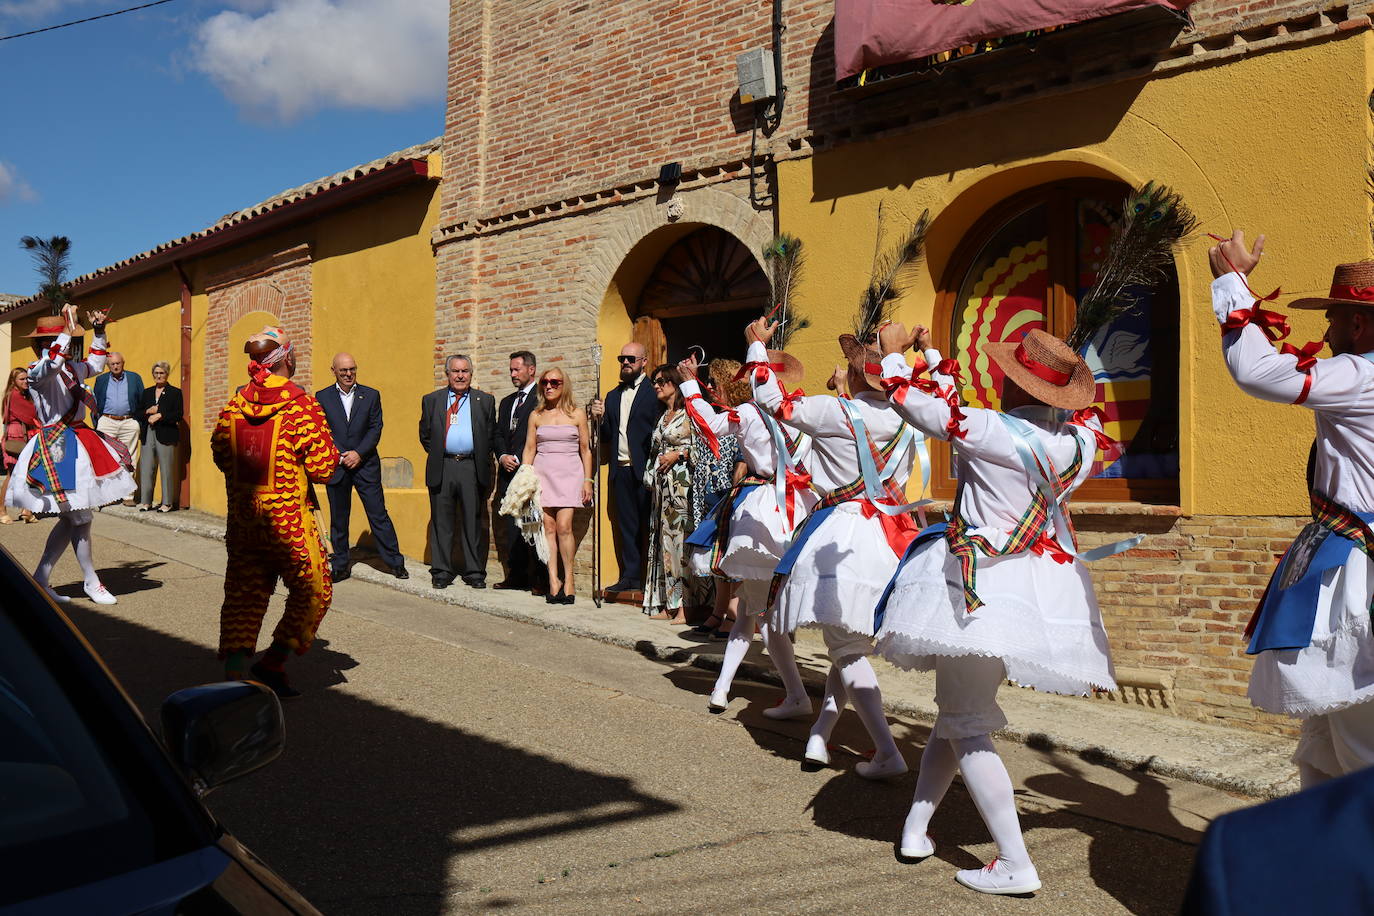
(948, 367)
(1362, 293)
(896, 387)
(900, 530)
(1040, 370)
(258, 372)
(700, 422)
(760, 370)
(1047, 545)
(1273, 324)
(1307, 358)
(789, 401)
(796, 481)
(1084, 415)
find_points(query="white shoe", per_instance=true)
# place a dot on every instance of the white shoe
(60, 599)
(881, 768)
(816, 751)
(997, 878)
(100, 594)
(790, 709)
(922, 848)
(719, 700)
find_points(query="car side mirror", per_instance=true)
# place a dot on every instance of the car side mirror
(219, 732)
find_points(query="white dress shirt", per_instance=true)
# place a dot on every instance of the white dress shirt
(627, 401)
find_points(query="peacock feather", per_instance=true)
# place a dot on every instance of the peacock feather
(784, 259)
(892, 269)
(51, 258)
(1154, 221)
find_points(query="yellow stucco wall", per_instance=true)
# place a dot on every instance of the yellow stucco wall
(1274, 143)
(373, 289)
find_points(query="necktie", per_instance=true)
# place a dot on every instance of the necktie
(453, 410)
(515, 412)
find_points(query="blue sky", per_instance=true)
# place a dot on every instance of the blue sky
(134, 130)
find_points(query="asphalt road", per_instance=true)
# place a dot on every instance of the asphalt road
(446, 761)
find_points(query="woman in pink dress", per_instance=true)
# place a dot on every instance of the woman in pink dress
(558, 446)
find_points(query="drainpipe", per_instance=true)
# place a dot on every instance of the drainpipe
(184, 450)
(775, 109)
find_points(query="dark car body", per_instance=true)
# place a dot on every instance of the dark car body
(96, 816)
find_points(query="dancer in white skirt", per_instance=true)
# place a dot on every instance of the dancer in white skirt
(1000, 592)
(752, 530)
(1311, 633)
(68, 469)
(834, 572)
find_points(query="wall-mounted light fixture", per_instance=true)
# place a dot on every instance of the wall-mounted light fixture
(669, 174)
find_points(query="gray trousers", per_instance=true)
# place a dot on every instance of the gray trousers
(456, 498)
(154, 456)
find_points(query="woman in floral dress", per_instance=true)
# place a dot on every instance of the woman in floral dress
(668, 475)
(712, 478)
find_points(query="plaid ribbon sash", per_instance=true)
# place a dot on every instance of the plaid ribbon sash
(50, 435)
(1027, 534)
(1342, 521)
(725, 510)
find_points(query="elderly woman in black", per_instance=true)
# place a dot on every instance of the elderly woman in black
(159, 413)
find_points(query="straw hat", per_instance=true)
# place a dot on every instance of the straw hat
(51, 326)
(792, 372)
(1351, 284)
(860, 357)
(735, 391)
(1047, 369)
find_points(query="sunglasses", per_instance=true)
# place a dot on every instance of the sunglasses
(660, 382)
(627, 360)
(552, 383)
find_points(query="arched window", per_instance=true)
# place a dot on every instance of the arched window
(1023, 266)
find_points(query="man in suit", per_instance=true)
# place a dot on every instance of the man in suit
(457, 430)
(117, 394)
(512, 426)
(355, 420)
(627, 419)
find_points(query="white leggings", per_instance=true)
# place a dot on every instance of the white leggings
(852, 680)
(71, 528)
(752, 595)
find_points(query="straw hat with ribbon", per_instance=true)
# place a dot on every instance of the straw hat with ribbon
(863, 360)
(51, 326)
(1047, 369)
(1351, 284)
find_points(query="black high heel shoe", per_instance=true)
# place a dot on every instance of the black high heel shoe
(552, 598)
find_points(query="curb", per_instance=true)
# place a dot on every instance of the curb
(1121, 758)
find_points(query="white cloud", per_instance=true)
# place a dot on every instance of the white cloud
(36, 9)
(298, 56)
(13, 188)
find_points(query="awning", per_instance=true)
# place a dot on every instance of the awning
(878, 33)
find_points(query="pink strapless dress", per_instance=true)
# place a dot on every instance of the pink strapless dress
(558, 462)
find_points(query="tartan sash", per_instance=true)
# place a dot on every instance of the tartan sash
(724, 511)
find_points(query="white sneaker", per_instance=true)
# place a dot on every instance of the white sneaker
(920, 848)
(100, 594)
(816, 751)
(881, 767)
(997, 878)
(790, 708)
(719, 700)
(60, 599)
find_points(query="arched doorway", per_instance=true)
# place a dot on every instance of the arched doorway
(702, 292)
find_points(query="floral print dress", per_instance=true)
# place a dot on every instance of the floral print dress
(670, 517)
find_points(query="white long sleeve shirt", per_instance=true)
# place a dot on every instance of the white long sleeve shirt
(834, 460)
(49, 375)
(1341, 397)
(755, 441)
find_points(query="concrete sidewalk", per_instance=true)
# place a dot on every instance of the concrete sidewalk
(1100, 730)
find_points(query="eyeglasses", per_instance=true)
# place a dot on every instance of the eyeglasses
(552, 383)
(660, 382)
(627, 360)
(346, 371)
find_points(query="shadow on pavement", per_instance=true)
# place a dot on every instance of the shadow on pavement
(368, 805)
(124, 579)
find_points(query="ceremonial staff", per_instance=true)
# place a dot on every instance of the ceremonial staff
(593, 431)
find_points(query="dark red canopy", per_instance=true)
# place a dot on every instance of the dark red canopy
(875, 33)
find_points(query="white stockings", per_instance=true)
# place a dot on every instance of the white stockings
(67, 531)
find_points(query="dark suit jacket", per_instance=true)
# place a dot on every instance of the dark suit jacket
(102, 385)
(358, 433)
(512, 441)
(433, 432)
(1307, 853)
(644, 414)
(166, 429)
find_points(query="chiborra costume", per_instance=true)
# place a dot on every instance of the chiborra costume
(835, 569)
(272, 441)
(999, 591)
(1311, 634)
(748, 531)
(68, 469)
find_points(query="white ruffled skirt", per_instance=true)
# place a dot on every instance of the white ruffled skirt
(84, 491)
(839, 575)
(1038, 616)
(1337, 669)
(758, 536)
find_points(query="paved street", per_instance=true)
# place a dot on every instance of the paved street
(447, 761)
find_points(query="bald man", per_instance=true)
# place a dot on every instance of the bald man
(355, 419)
(117, 394)
(627, 419)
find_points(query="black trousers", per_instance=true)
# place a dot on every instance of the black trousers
(521, 560)
(457, 498)
(367, 480)
(630, 510)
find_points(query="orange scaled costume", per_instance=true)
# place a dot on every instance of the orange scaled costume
(271, 441)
